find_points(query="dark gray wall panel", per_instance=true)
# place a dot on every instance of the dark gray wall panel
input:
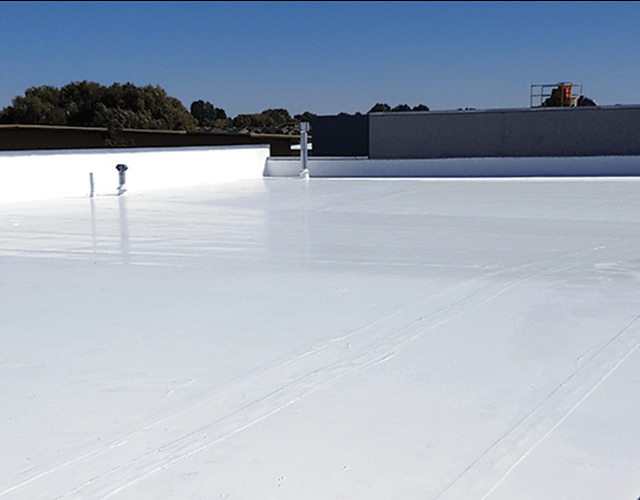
(588, 131)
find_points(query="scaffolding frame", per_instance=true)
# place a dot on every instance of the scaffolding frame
(568, 93)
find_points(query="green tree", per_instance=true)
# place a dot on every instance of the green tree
(90, 104)
(39, 106)
(383, 107)
(402, 107)
(243, 121)
(277, 117)
(207, 115)
(304, 117)
(269, 121)
(380, 107)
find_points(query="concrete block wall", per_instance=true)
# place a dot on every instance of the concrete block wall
(535, 132)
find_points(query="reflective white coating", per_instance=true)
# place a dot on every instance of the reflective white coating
(324, 339)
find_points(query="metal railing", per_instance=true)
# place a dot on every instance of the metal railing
(562, 94)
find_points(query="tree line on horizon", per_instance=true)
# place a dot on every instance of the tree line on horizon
(127, 106)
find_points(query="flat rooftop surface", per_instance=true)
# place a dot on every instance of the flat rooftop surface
(324, 339)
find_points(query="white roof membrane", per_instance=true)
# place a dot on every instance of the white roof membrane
(357, 338)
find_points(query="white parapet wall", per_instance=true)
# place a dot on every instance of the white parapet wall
(34, 175)
(592, 166)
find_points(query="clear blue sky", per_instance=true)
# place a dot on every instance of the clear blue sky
(326, 57)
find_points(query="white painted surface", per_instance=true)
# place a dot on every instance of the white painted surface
(60, 174)
(321, 339)
(457, 167)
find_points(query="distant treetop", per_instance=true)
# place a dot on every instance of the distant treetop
(269, 121)
(207, 115)
(89, 104)
(385, 108)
